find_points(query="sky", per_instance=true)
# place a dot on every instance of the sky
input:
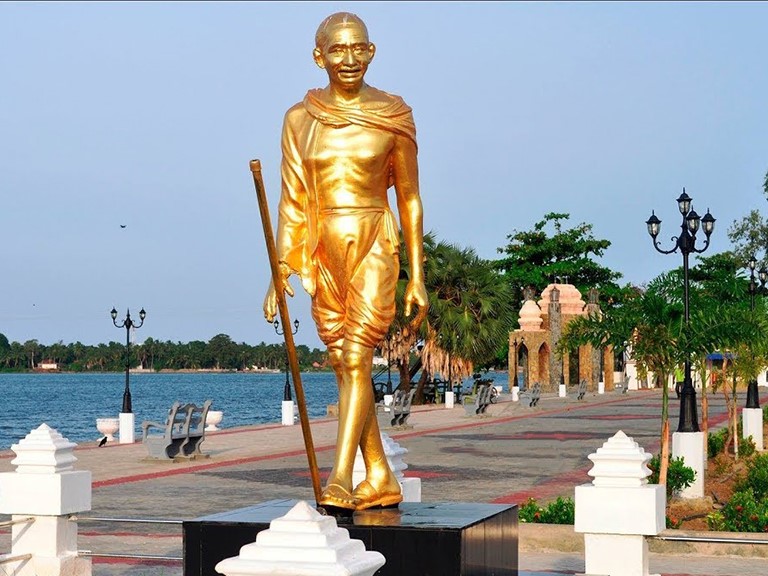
(145, 115)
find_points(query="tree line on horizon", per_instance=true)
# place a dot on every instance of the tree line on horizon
(219, 353)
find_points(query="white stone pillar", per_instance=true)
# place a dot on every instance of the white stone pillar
(411, 487)
(46, 488)
(752, 425)
(601, 387)
(690, 446)
(287, 413)
(515, 393)
(618, 509)
(561, 392)
(127, 427)
(303, 543)
(449, 399)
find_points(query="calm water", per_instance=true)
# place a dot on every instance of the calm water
(70, 403)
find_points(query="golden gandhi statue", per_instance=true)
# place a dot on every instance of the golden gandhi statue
(343, 147)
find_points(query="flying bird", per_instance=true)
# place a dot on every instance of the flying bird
(122, 225)
(103, 441)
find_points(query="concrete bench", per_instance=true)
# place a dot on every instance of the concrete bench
(580, 391)
(182, 433)
(622, 387)
(400, 408)
(531, 397)
(477, 403)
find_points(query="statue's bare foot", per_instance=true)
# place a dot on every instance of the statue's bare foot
(383, 496)
(337, 496)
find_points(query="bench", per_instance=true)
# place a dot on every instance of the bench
(580, 391)
(400, 408)
(531, 396)
(183, 432)
(477, 403)
(622, 387)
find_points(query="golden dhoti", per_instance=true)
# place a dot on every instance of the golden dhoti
(357, 267)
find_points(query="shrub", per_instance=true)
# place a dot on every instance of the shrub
(679, 476)
(716, 442)
(746, 446)
(757, 477)
(560, 511)
(743, 513)
(529, 512)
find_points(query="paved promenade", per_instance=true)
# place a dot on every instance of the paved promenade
(510, 455)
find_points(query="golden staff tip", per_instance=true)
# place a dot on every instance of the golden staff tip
(255, 165)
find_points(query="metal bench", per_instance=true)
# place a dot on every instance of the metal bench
(531, 397)
(580, 391)
(477, 404)
(183, 432)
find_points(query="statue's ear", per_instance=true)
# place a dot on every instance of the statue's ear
(318, 56)
(371, 51)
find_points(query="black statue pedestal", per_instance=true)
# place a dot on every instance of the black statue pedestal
(417, 539)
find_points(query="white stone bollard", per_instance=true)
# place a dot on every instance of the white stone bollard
(515, 393)
(394, 452)
(287, 413)
(752, 425)
(212, 420)
(561, 391)
(127, 427)
(449, 399)
(690, 446)
(618, 509)
(303, 543)
(47, 489)
(601, 387)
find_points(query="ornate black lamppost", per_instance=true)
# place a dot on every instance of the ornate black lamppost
(686, 243)
(753, 399)
(287, 388)
(128, 323)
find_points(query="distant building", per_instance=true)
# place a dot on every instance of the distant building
(532, 356)
(48, 365)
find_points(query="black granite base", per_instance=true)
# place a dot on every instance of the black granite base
(417, 539)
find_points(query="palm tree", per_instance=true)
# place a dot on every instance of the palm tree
(471, 310)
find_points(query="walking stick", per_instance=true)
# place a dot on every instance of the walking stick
(282, 307)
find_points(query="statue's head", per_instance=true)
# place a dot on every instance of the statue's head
(342, 48)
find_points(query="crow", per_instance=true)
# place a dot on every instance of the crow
(103, 441)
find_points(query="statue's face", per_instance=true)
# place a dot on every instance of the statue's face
(345, 56)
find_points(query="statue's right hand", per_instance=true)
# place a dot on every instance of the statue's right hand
(270, 300)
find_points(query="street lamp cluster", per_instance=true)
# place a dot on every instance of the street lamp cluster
(128, 323)
(753, 400)
(280, 332)
(686, 243)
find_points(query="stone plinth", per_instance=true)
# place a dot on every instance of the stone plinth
(303, 543)
(752, 425)
(46, 488)
(618, 509)
(690, 446)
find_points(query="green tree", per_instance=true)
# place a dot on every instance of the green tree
(471, 310)
(750, 234)
(535, 258)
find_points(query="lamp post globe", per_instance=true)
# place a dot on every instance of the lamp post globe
(686, 244)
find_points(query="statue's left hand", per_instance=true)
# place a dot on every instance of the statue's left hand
(416, 293)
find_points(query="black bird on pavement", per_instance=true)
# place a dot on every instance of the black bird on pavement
(103, 441)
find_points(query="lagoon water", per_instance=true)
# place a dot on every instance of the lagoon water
(71, 403)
